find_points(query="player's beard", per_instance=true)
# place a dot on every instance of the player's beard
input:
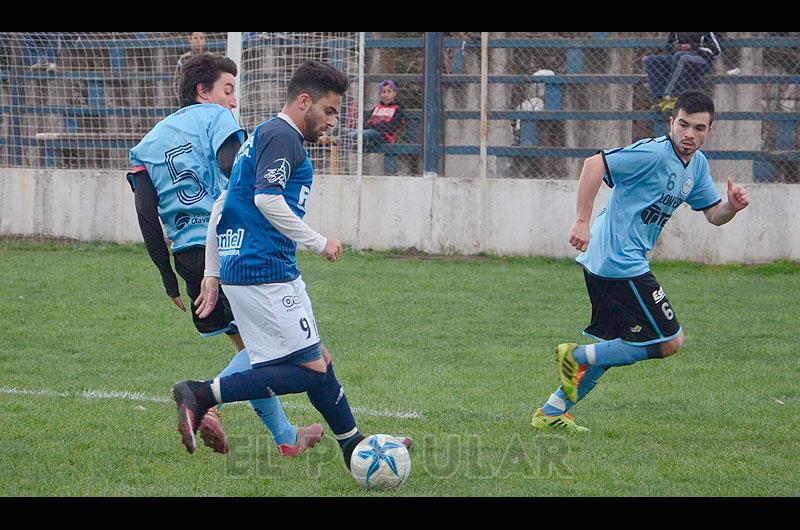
(311, 130)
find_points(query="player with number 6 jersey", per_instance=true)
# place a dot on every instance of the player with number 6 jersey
(632, 318)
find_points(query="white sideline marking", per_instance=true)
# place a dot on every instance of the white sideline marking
(88, 394)
(138, 396)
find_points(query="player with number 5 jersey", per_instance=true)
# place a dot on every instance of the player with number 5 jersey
(180, 168)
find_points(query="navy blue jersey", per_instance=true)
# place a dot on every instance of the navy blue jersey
(180, 154)
(272, 161)
(649, 182)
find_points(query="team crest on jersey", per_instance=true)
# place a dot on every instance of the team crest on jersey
(279, 173)
(687, 186)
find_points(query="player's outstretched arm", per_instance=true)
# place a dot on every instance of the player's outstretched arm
(738, 200)
(278, 213)
(588, 186)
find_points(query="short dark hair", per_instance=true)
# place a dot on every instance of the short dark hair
(316, 79)
(694, 101)
(204, 68)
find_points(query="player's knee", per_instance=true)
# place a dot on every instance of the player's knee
(318, 365)
(326, 355)
(671, 347)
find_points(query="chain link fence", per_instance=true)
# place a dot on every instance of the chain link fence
(554, 97)
(81, 100)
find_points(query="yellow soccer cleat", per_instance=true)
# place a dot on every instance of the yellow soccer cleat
(569, 371)
(562, 422)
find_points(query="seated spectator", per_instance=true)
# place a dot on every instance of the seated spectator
(383, 123)
(691, 56)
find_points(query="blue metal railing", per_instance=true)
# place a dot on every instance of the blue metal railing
(428, 120)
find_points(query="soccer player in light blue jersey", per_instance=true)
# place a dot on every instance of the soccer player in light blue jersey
(259, 226)
(180, 167)
(632, 318)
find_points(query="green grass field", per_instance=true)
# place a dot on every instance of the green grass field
(455, 352)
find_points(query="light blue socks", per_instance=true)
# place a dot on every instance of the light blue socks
(269, 409)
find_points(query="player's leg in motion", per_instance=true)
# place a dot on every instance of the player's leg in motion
(574, 361)
(194, 398)
(580, 367)
(269, 410)
(617, 308)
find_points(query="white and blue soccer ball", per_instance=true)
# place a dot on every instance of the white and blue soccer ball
(380, 462)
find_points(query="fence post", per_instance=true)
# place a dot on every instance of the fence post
(484, 102)
(431, 136)
(360, 137)
(234, 53)
(360, 122)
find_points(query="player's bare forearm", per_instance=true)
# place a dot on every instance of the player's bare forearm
(738, 200)
(720, 214)
(588, 186)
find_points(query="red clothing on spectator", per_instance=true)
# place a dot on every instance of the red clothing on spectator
(388, 119)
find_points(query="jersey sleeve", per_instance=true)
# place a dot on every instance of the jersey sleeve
(627, 164)
(704, 194)
(136, 166)
(222, 125)
(276, 156)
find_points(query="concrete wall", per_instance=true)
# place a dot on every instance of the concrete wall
(437, 215)
(80, 204)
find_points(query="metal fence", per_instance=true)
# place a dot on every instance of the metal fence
(510, 105)
(550, 99)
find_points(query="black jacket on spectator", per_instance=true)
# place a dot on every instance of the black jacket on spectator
(705, 43)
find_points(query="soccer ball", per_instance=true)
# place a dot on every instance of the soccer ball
(380, 462)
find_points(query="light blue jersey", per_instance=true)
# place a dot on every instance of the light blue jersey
(649, 183)
(180, 154)
(272, 161)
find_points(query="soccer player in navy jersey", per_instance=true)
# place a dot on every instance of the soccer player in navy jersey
(258, 227)
(632, 317)
(180, 167)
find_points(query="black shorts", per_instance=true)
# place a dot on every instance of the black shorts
(191, 264)
(635, 310)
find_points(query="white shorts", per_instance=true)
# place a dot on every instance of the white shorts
(275, 319)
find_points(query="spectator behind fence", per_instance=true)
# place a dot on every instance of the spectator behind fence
(535, 102)
(691, 56)
(197, 42)
(384, 122)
